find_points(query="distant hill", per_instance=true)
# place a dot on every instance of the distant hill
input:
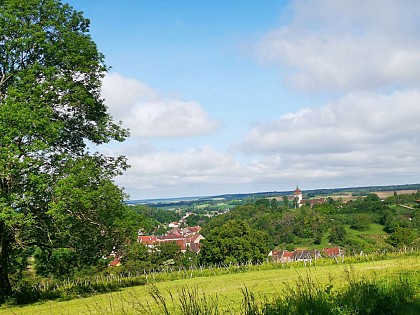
(364, 190)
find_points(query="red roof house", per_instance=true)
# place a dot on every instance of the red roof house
(147, 240)
(332, 251)
(281, 256)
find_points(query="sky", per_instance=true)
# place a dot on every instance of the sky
(254, 96)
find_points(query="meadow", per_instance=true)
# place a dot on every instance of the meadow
(230, 293)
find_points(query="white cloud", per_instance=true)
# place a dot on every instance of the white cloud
(149, 115)
(354, 122)
(347, 45)
(195, 171)
(357, 137)
(192, 165)
(369, 53)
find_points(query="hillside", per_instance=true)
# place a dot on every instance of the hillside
(266, 283)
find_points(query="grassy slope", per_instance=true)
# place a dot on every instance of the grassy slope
(228, 288)
(375, 233)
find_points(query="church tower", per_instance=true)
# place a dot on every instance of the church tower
(298, 194)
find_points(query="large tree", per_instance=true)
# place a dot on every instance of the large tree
(53, 190)
(234, 242)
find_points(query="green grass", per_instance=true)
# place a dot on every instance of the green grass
(370, 239)
(360, 295)
(309, 242)
(403, 210)
(374, 234)
(227, 289)
(374, 231)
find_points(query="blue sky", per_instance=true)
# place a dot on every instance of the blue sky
(240, 96)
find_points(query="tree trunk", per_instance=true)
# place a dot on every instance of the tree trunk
(5, 287)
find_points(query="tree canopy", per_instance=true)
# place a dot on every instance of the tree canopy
(234, 242)
(54, 192)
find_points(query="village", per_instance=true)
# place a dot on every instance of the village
(187, 235)
(188, 239)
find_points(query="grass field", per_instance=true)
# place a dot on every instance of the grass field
(264, 284)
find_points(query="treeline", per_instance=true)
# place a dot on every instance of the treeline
(361, 191)
(330, 223)
(251, 197)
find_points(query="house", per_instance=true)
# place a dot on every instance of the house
(186, 239)
(115, 263)
(192, 230)
(175, 232)
(147, 240)
(332, 252)
(312, 202)
(306, 255)
(188, 231)
(282, 256)
(195, 243)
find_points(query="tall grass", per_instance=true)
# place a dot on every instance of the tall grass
(46, 289)
(362, 296)
(188, 302)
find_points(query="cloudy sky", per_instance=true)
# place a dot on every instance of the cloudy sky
(251, 96)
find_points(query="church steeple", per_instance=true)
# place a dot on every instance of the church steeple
(298, 194)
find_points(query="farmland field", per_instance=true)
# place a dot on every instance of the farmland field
(384, 194)
(265, 284)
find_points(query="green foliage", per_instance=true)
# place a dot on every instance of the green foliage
(403, 198)
(359, 296)
(85, 210)
(337, 234)
(54, 193)
(370, 296)
(160, 215)
(60, 263)
(361, 221)
(263, 202)
(370, 204)
(136, 258)
(196, 219)
(327, 208)
(310, 222)
(285, 201)
(369, 218)
(167, 255)
(234, 242)
(155, 219)
(402, 237)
